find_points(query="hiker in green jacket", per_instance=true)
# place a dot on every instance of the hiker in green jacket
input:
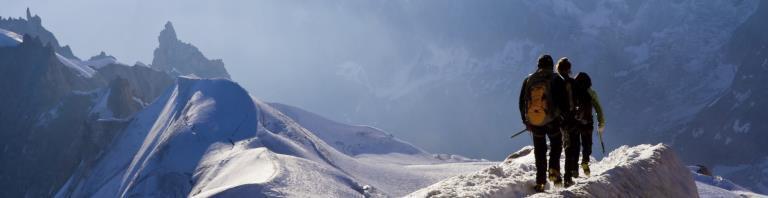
(586, 100)
(578, 125)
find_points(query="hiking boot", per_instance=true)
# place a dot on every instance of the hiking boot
(575, 173)
(538, 188)
(568, 183)
(554, 176)
(585, 166)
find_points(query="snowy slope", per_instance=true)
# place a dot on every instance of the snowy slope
(100, 61)
(8, 38)
(351, 140)
(77, 65)
(210, 138)
(640, 171)
(717, 186)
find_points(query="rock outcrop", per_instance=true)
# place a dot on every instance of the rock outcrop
(183, 59)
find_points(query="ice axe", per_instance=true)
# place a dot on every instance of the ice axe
(518, 133)
(600, 135)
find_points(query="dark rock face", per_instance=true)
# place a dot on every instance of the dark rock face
(48, 127)
(147, 83)
(39, 119)
(178, 58)
(121, 101)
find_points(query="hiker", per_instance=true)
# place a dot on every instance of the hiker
(569, 127)
(578, 125)
(540, 105)
(585, 99)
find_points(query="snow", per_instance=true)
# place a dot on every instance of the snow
(8, 38)
(100, 62)
(139, 101)
(740, 98)
(101, 110)
(717, 186)
(642, 171)
(765, 63)
(698, 132)
(52, 114)
(230, 162)
(739, 127)
(752, 174)
(349, 139)
(141, 64)
(81, 69)
(354, 72)
(209, 137)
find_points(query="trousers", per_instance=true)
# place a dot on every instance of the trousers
(576, 138)
(540, 135)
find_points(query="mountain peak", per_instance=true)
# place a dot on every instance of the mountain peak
(32, 25)
(168, 34)
(184, 59)
(34, 19)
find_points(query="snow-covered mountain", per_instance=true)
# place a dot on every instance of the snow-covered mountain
(211, 138)
(639, 171)
(350, 140)
(58, 111)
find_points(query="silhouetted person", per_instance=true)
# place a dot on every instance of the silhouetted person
(568, 126)
(585, 100)
(578, 124)
(541, 104)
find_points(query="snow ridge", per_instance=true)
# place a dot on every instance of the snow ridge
(8, 38)
(641, 171)
(82, 69)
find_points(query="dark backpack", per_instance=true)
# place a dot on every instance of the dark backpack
(540, 106)
(582, 112)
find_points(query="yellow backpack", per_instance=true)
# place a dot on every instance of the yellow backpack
(540, 108)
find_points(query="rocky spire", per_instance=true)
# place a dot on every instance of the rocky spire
(168, 35)
(184, 59)
(34, 20)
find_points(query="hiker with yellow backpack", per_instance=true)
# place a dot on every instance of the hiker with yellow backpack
(542, 104)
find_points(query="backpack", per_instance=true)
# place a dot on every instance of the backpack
(540, 106)
(582, 100)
